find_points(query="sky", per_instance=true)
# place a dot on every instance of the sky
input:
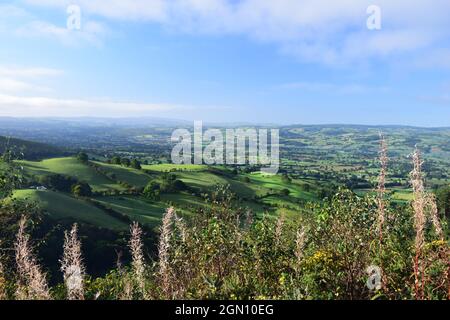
(258, 61)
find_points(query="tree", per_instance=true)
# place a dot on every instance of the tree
(125, 162)
(83, 157)
(82, 189)
(152, 190)
(116, 160)
(58, 182)
(136, 164)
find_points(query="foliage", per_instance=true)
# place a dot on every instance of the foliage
(83, 157)
(82, 189)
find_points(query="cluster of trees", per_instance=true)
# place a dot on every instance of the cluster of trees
(126, 162)
(57, 182)
(64, 183)
(168, 184)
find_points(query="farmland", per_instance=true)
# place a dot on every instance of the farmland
(126, 179)
(315, 160)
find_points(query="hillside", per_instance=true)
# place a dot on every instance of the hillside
(61, 206)
(116, 196)
(28, 149)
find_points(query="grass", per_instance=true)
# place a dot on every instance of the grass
(263, 183)
(207, 181)
(167, 167)
(62, 206)
(147, 212)
(137, 208)
(70, 167)
(131, 176)
(401, 195)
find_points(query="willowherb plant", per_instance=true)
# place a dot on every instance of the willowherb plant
(434, 215)
(3, 294)
(381, 188)
(182, 228)
(299, 246)
(164, 252)
(249, 218)
(72, 265)
(279, 229)
(32, 283)
(419, 204)
(137, 255)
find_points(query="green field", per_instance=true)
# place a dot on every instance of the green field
(131, 176)
(167, 167)
(200, 178)
(136, 208)
(263, 184)
(61, 206)
(70, 167)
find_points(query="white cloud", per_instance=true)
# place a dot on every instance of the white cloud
(19, 106)
(21, 96)
(330, 32)
(12, 85)
(23, 72)
(20, 79)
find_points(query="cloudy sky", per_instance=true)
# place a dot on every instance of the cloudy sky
(284, 61)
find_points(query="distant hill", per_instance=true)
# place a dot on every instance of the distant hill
(29, 150)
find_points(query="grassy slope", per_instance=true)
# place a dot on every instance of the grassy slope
(144, 211)
(167, 167)
(71, 167)
(137, 208)
(62, 206)
(263, 183)
(131, 176)
(29, 149)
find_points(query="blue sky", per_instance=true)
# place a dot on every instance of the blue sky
(261, 61)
